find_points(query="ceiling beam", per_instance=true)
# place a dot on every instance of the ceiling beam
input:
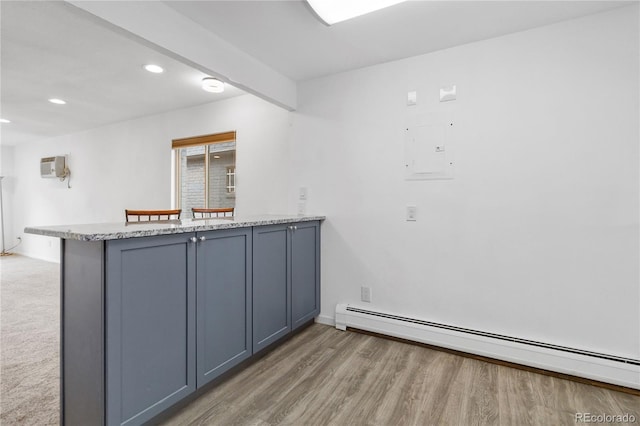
(173, 34)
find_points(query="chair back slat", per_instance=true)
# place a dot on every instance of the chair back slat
(151, 215)
(200, 213)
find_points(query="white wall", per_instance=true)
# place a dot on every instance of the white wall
(128, 165)
(8, 191)
(537, 235)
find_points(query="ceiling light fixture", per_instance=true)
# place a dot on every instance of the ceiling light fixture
(156, 69)
(4, 120)
(213, 85)
(57, 101)
(333, 11)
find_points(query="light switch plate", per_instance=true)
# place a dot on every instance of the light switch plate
(302, 193)
(412, 98)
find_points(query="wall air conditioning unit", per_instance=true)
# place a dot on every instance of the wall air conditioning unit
(53, 167)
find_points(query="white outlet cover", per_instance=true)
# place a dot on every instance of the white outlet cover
(365, 294)
(412, 98)
(412, 213)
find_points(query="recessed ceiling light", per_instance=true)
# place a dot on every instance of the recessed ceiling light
(333, 11)
(213, 85)
(156, 69)
(4, 120)
(57, 101)
(216, 156)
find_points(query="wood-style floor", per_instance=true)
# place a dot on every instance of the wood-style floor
(324, 376)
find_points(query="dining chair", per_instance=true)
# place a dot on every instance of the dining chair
(151, 215)
(209, 213)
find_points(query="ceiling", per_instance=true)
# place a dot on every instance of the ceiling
(286, 36)
(52, 49)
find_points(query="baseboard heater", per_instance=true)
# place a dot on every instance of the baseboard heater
(563, 359)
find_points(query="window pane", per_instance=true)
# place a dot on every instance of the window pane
(222, 157)
(192, 183)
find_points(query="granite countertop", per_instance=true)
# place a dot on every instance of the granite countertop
(120, 230)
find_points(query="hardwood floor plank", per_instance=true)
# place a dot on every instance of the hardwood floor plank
(408, 410)
(517, 399)
(323, 376)
(379, 392)
(626, 403)
(442, 376)
(481, 403)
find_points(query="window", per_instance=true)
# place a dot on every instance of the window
(205, 171)
(231, 179)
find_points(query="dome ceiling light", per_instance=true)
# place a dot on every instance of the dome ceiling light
(212, 85)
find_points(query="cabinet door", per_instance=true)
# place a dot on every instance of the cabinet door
(150, 333)
(271, 291)
(305, 272)
(223, 301)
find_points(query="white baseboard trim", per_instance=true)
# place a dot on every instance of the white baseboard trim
(32, 256)
(326, 320)
(604, 370)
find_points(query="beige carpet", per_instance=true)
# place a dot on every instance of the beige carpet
(29, 341)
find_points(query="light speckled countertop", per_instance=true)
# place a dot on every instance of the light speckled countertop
(115, 231)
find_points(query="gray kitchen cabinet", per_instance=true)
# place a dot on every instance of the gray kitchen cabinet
(286, 279)
(305, 272)
(223, 301)
(271, 285)
(180, 315)
(150, 326)
(146, 320)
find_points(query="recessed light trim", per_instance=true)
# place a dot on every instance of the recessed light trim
(334, 11)
(153, 68)
(212, 85)
(4, 120)
(57, 101)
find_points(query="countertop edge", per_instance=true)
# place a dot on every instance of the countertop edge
(68, 233)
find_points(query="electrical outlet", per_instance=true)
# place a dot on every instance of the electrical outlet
(302, 195)
(412, 213)
(365, 294)
(302, 208)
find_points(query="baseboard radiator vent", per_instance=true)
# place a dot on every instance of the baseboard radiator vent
(603, 367)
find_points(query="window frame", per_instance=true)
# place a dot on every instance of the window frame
(231, 179)
(204, 141)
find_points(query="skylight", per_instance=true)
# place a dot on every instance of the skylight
(333, 11)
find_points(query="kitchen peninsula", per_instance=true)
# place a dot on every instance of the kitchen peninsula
(153, 311)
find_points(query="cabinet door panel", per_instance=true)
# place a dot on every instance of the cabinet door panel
(305, 289)
(150, 326)
(224, 302)
(271, 294)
